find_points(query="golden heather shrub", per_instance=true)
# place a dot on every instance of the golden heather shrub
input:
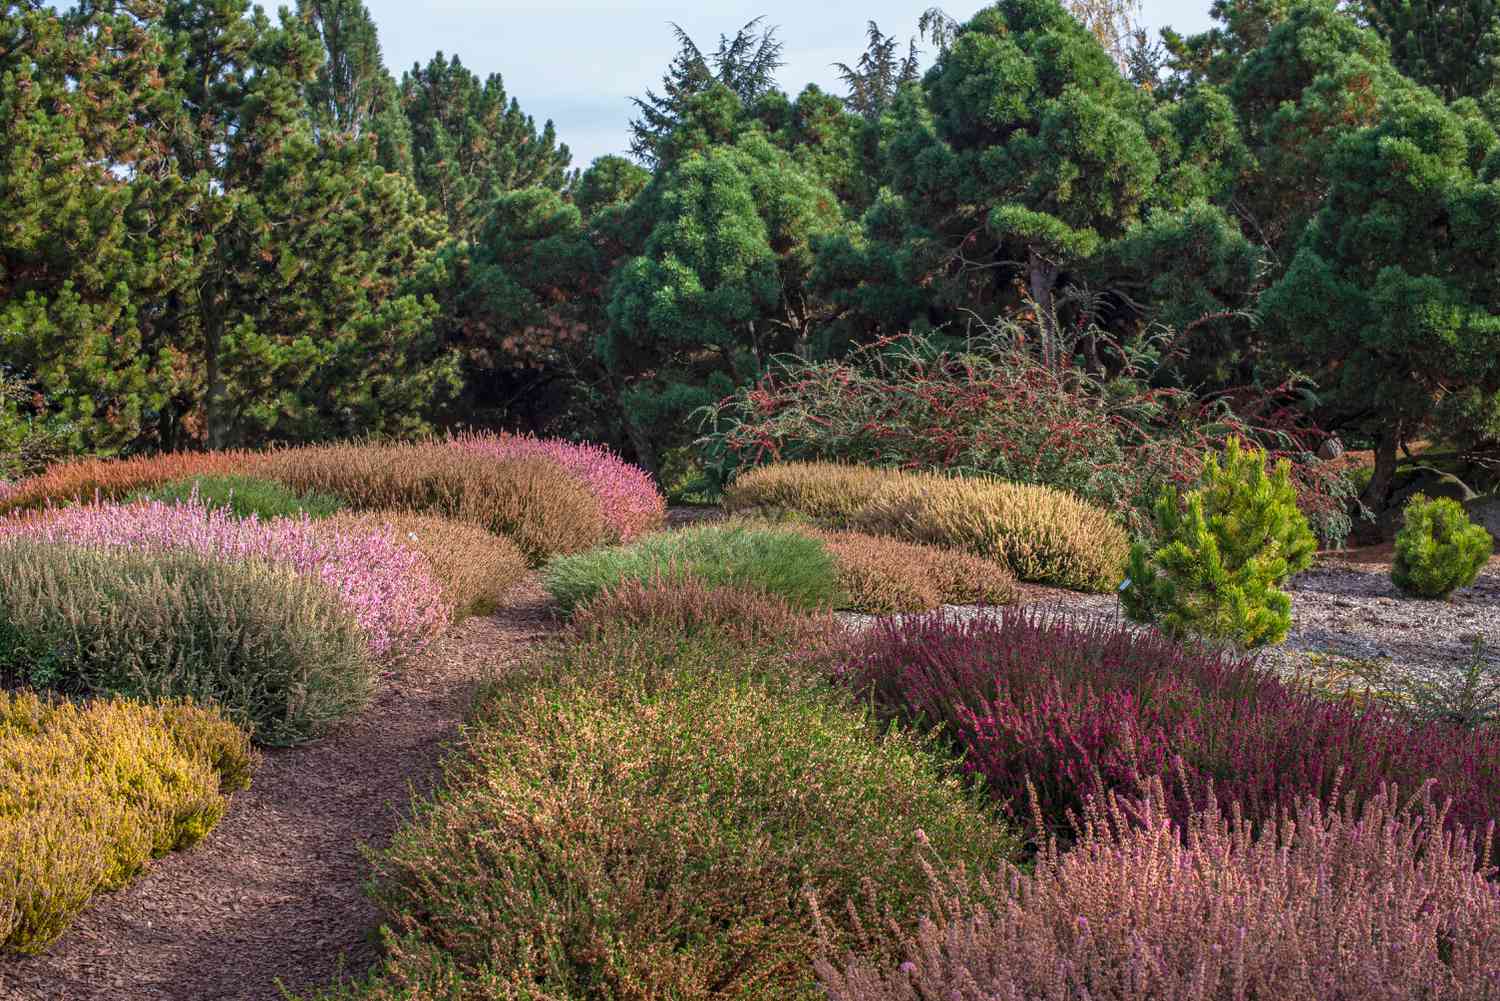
(829, 493)
(90, 793)
(112, 479)
(533, 500)
(474, 567)
(1043, 535)
(881, 574)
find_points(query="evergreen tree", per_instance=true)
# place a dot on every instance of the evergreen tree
(353, 93)
(470, 143)
(879, 73)
(1452, 46)
(745, 65)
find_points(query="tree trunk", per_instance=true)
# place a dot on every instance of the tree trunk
(213, 396)
(1042, 275)
(1379, 487)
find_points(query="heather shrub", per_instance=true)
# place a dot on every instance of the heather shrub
(1077, 708)
(1438, 549)
(1377, 902)
(532, 500)
(474, 568)
(787, 564)
(89, 793)
(1220, 555)
(242, 496)
(627, 496)
(88, 480)
(993, 408)
(646, 828)
(277, 652)
(384, 585)
(883, 575)
(1042, 535)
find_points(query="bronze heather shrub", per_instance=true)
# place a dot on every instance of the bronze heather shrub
(112, 479)
(474, 567)
(688, 609)
(827, 492)
(532, 500)
(90, 793)
(1380, 903)
(881, 574)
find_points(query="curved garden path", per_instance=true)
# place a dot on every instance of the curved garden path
(274, 892)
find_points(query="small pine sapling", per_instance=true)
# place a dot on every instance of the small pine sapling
(1438, 549)
(1221, 554)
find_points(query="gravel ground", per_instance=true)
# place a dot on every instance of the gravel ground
(1345, 608)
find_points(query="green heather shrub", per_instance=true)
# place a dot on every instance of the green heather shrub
(1221, 554)
(277, 652)
(244, 496)
(645, 820)
(774, 561)
(1438, 549)
(90, 793)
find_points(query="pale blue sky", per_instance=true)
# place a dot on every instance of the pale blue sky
(578, 63)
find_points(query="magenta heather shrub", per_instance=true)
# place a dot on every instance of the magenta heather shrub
(385, 585)
(1375, 902)
(1084, 707)
(627, 497)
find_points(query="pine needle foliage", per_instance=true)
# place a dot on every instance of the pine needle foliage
(1221, 554)
(1438, 549)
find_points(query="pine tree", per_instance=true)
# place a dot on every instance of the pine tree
(879, 73)
(471, 143)
(1221, 554)
(353, 93)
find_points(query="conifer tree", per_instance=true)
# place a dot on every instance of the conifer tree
(353, 92)
(1221, 553)
(880, 72)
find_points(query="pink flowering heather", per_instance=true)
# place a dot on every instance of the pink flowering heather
(1077, 709)
(385, 585)
(627, 497)
(1376, 903)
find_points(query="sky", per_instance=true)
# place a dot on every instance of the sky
(578, 63)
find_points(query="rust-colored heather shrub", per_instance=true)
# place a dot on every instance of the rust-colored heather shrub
(532, 500)
(880, 574)
(89, 793)
(112, 479)
(653, 840)
(474, 567)
(1043, 535)
(1379, 903)
(688, 609)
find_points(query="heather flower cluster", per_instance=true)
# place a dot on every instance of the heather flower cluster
(1379, 902)
(1072, 710)
(385, 585)
(627, 497)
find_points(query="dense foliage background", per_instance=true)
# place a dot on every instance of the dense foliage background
(224, 229)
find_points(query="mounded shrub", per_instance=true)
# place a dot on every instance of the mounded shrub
(386, 586)
(1376, 902)
(1438, 549)
(90, 793)
(787, 564)
(532, 500)
(883, 575)
(1076, 708)
(475, 568)
(112, 479)
(1221, 555)
(242, 496)
(627, 495)
(277, 652)
(1043, 535)
(648, 827)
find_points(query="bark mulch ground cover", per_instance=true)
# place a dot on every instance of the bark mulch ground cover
(274, 892)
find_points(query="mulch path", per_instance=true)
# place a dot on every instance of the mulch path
(275, 890)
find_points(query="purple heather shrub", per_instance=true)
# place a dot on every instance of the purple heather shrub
(387, 586)
(1381, 902)
(627, 496)
(1081, 708)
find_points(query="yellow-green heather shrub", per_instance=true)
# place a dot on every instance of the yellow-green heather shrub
(1043, 535)
(90, 793)
(473, 566)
